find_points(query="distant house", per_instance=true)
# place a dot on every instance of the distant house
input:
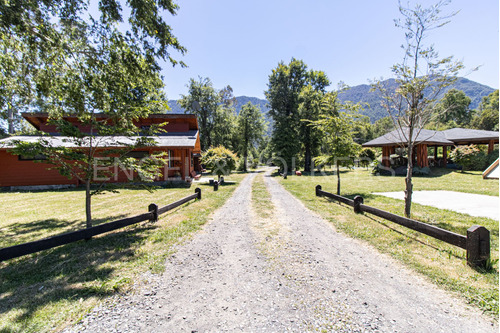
(181, 141)
(428, 138)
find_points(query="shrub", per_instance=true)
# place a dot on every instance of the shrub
(492, 157)
(470, 157)
(366, 156)
(219, 160)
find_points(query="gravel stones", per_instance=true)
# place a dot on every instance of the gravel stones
(292, 272)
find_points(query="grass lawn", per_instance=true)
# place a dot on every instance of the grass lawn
(442, 263)
(51, 289)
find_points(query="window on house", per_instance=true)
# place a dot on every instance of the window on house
(37, 157)
(137, 154)
(170, 158)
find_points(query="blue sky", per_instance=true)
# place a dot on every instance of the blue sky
(238, 43)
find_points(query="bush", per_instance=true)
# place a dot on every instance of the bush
(469, 157)
(219, 160)
(366, 157)
(252, 163)
(492, 157)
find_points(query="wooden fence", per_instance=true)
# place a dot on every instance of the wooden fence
(476, 243)
(44, 244)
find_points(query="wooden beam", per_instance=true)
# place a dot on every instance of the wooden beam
(491, 146)
(386, 156)
(422, 159)
(445, 156)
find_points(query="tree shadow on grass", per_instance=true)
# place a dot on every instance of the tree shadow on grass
(80, 270)
(18, 233)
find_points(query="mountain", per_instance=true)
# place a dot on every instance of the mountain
(240, 101)
(475, 91)
(361, 93)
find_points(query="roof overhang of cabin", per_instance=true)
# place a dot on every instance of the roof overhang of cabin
(188, 140)
(451, 137)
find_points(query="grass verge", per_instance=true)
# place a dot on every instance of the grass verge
(261, 198)
(442, 263)
(49, 290)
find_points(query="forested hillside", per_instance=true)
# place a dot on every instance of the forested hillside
(361, 93)
(475, 91)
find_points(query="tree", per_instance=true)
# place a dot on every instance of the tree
(219, 160)
(215, 112)
(309, 110)
(16, 90)
(201, 100)
(86, 67)
(224, 118)
(420, 77)
(454, 108)
(250, 130)
(382, 126)
(366, 156)
(40, 39)
(285, 85)
(487, 117)
(336, 125)
(106, 93)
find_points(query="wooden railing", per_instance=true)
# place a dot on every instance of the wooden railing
(476, 243)
(44, 244)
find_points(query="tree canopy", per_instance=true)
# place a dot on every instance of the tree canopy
(487, 117)
(420, 77)
(285, 85)
(73, 63)
(55, 51)
(250, 130)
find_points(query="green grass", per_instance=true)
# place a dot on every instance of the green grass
(51, 289)
(442, 263)
(261, 198)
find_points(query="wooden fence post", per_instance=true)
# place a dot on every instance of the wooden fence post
(358, 200)
(198, 191)
(478, 246)
(153, 208)
(318, 188)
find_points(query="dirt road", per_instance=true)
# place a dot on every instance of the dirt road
(291, 272)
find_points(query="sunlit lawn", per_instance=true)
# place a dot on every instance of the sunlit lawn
(442, 263)
(53, 288)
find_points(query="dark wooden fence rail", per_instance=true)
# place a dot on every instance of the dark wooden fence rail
(476, 243)
(70, 237)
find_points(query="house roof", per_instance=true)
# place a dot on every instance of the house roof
(173, 140)
(38, 119)
(454, 136)
(458, 135)
(399, 137)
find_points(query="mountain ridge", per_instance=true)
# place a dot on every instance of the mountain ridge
(361, 93)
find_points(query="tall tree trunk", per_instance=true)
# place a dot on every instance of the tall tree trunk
(408, 183)
(338, 179)
(307, 159)
(10, 120)
(88, 210)
(245, 152)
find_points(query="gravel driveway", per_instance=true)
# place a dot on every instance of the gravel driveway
(292, 272)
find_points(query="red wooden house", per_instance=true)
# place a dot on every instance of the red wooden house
(181, 141)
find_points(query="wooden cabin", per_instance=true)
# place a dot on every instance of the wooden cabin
(429, 138)
(181, 140)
